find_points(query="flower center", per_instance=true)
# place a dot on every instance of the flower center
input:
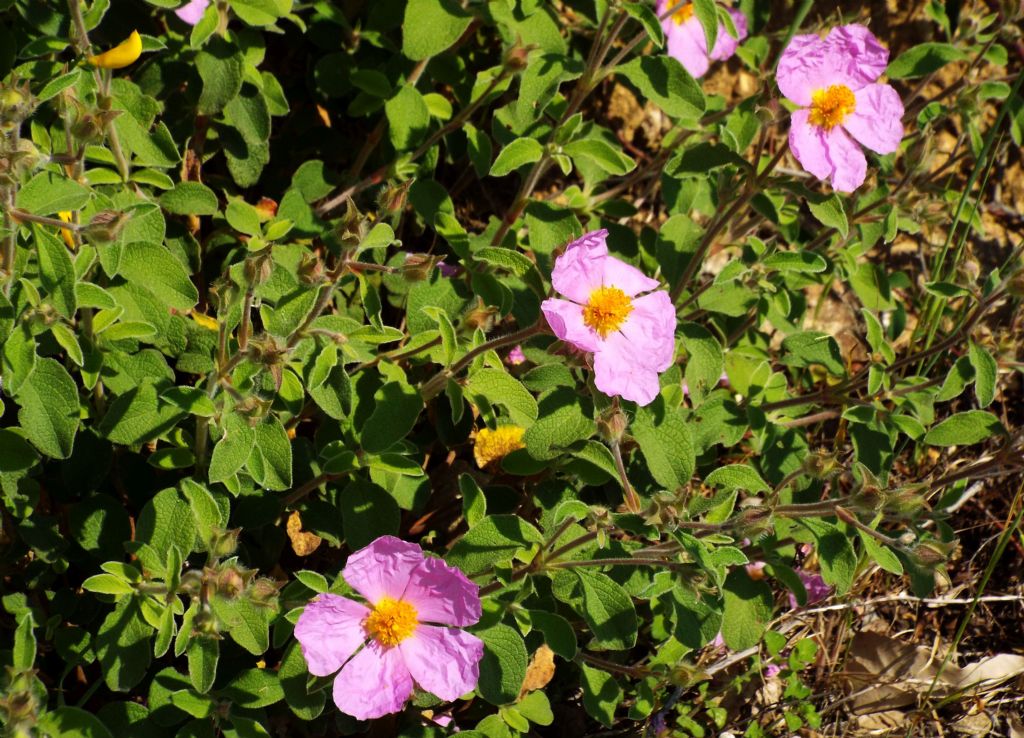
(494, 445)
(683, 14)
(831, 105)
(606, 310)
(391, 622)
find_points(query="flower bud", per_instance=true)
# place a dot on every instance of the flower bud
(223, 542)
(104, 227)
(482, 317)
(393, 197)
(311, 270)
(820, 464)
(264, 591)
(933, 553)
(417, 267)
(1015, 285)
(258, 267)
(612, 425)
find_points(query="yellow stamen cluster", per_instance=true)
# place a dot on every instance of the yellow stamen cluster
(391, 622)
(606, 310)
(683, 14)
(831, 105)
(491, 446)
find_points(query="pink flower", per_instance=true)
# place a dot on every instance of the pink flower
(687, 43)
(632, 338)
(516, 356)
(816, 588)
(448, 270)
(771, 671)
(834, 81)
(393, 640)
(192, 12)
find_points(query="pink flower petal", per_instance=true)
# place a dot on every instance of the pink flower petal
(193, 12)
(857, 53)
(725, 44)
(383, 568)
(651, 330)
(375, 682)
(687, 45)
(329, 630)
(516, 356)
(442, 594)
(566, 321)
(617, 372)
(808, 145)
(578, 271)
(877, 121)
(627, 278)
(443, 661)
(803, 68)
(849, 166)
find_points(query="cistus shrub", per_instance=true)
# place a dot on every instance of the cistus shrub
(503, 366)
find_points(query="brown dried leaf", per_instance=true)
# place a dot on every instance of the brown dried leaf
(303, 542)
(540, 671)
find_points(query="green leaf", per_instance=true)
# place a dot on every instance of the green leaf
(207, 514)
(881, 554)
(558, 633)
(813, 347)
(838, 561)
(830, 213)
(270, 462)
(431, 26)
(138, 416)
(107, 584)
(707, 15)
(964, 429)
(648, 19)
(985, 374)
(705, 361)
(261, 12)
(667, 443)
(246, 622)
(293, 673)
(16, 455)
(254, 688)
(233, 448)
(796, 261)
(494, 540)
(220, 66)
(737, 476)
(518, 153)
(49, 409)
(203, 653)
(499, 387)
(663, 81)
(367, 512)
(72, 722)
(23, 655)
(190, 198)
(165, 521)
(408, 118)
(558, 429)
(122, 646)
(602, 154)
(396, 407)
(56, 271)
(748, 609)
(503, 666)
(601, 694)
(48, 193)
(155, 267)
(923, 59)
(608, 610)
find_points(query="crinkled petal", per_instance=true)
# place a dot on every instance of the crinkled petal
(725, 44)
(375, 682)
(566, 321)
(383, 568)
(443, 661)
(626, 277)
(193, 12)
(808, 145)
(651, 330)
(443, 594)
(687, 45)
(803, 68)
(329, 631)
(877, 121)
(849, 166)
(618, 372)
(857, 54)
(578, 271)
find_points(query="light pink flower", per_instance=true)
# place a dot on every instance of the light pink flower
(816, 588)
(516, 356)
(687, 43)
(193, 11)
(834, 81)
(632, 338)
(448, 270)
(394, 641)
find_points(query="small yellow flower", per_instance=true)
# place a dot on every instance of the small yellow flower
(491, 446)
(125, 53)
(65, 233)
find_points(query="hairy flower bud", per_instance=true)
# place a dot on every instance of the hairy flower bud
(105, 226)
(612, 425)
(418, 267)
